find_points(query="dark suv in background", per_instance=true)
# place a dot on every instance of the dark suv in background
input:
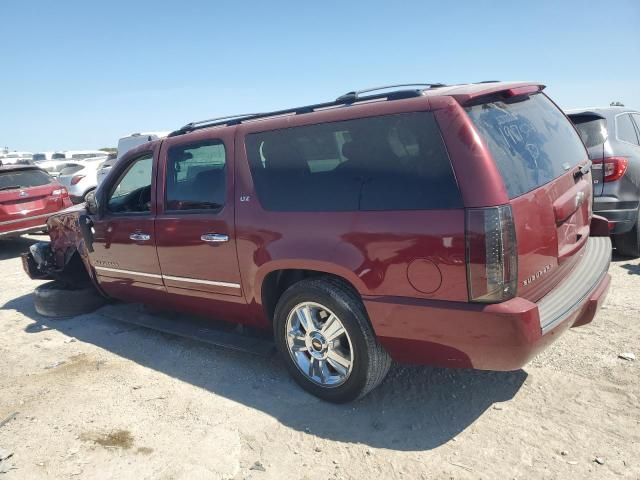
(612, 138)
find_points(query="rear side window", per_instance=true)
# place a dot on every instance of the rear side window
(625, 129)
(592, 129)
(23, 179)
(196, 176)
(392, 162)
(531, 141)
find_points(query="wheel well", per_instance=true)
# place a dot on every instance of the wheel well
(276, 282)
(74, 272)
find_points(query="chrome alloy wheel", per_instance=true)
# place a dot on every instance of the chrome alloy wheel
(319, 344)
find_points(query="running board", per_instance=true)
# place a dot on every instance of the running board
(189, 327)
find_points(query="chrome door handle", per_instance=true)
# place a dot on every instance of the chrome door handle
(140, 237)
(214, 237)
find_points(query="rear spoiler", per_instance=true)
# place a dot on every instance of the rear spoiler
(503, 92)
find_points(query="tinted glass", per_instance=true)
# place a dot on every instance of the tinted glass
(132, 191)
(592, 130)
(196, 176)
(58, 156)
(23, 179)
(393, 162)
(530, 139)
(39, 157)
(626, 130)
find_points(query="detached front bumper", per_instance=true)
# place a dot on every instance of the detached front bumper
(503, 336)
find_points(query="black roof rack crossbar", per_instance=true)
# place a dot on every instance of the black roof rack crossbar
(356, 94)
(346, 99)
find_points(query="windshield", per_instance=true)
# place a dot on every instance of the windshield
(39, 157)
(23, 179)
(531, 141)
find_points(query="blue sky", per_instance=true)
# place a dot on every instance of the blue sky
(80, 74)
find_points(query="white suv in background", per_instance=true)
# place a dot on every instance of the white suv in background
(124, 145)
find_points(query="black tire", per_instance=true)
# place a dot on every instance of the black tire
(370, 361)
(55, 299)
(628, 244)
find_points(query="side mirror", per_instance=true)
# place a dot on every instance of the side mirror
(92, 203)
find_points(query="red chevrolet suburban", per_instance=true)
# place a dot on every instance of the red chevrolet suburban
(441, 225)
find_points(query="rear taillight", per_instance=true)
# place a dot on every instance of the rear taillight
(613, 168)
(492, 257)
(60, 192)
(76, 178)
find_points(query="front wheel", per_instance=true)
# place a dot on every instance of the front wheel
(324, 336)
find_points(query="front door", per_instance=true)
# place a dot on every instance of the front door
(124, 243)
(195, 234)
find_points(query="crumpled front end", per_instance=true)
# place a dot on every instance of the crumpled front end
(66, 257)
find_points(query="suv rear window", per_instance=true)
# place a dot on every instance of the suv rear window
(391, 162)
(23, 179)
(531, 141)
(592, 129)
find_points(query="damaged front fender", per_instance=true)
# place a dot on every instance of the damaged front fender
(66, 257)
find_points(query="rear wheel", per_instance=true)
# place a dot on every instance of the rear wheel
(628, 244)
(324, 336)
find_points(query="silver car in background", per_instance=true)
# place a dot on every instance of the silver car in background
(81, 178)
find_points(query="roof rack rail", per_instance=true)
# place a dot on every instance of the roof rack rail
(346, 99)
(356, 94)
(209, 122)
(488, 81)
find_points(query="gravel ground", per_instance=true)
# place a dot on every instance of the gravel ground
(92, 397)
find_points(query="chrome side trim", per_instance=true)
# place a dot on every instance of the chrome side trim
(169, 277)
(204, 282)
(18, 220)
(129, 272)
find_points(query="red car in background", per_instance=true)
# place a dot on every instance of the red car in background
(28, 195)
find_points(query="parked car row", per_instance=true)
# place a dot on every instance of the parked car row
(440, 225)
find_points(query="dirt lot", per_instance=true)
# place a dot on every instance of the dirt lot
(98, 398)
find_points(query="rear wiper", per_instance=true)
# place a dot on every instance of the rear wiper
(10, 187)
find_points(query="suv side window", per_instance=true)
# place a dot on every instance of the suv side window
(132, 191)
(625, 129)
(196, 176)
(636, 120)
(391, 162)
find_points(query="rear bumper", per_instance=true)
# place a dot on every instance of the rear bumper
(502, 336)
(621, 215)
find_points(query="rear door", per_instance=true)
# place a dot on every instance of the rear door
(27, 197)
(124, 256)
(195, 223)
(544, 166)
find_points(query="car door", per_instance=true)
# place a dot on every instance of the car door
(124, 244)
(195, 232)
